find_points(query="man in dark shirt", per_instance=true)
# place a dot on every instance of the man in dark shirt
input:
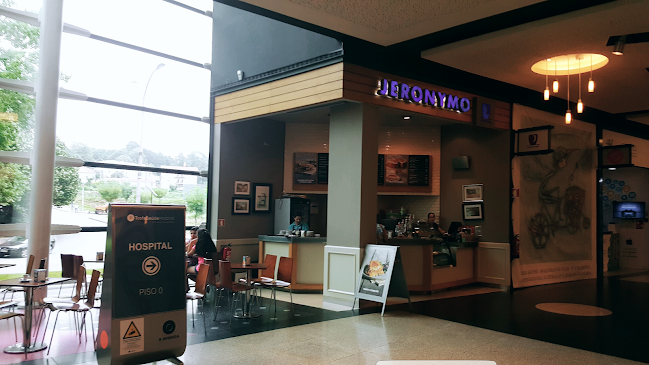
(435, 226)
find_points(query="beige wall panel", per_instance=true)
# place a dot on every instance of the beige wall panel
(279, 83)
(281, 90)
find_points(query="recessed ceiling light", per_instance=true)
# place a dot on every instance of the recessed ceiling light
(406, 117)
(612, 168)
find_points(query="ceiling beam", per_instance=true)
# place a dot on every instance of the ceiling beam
(494, 23)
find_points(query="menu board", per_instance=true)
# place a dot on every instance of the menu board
(396, 170)
(310, 168)
(323, 168)
(418, 170)
(381, 173)
(305, 168)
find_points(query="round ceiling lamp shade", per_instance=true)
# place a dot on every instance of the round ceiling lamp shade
(572, 64)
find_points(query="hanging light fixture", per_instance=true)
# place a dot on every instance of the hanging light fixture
(568, 113)
(546, 92)
(555, 84)
(591, 83)
(580, 105)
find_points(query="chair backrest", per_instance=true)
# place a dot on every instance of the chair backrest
(78, 262)
(225, 272)
(271, 261)
(30, 264)
(92, 289)
(67, 266)
(81, 278)
(214, 257)
(285, 269)
(201, 278)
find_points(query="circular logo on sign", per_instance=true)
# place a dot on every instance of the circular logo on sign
(615, 157)
(151, 265)
(169, 327)
(130, 217)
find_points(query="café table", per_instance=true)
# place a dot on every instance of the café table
(2, 266)
(28, 288)
(246, 305)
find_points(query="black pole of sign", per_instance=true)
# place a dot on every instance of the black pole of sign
(143, 313)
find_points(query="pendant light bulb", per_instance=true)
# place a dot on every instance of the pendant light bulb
(568, 117)
(580, 107)
(546, 94)
(591, 85)
(555, 83)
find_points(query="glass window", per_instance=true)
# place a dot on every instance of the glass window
(151, 24)
(100, 186)
(97, 132)
(121, 74)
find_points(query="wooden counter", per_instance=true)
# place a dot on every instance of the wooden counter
(307, 254)
(422, 275)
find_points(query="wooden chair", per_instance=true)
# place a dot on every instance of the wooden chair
(267, 274)
(225, 272)
(199, 290)
(284, 273)
(81, 278)
(9, 315)
(77, 308)
(15, 289)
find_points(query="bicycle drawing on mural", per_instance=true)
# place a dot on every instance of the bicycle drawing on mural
(559, 210)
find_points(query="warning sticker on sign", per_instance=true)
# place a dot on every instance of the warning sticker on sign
(132, 336)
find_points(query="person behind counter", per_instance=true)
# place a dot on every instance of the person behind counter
(204, 246)
(435, 226)
(298, 225)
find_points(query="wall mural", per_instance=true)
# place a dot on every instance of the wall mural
(555, 191)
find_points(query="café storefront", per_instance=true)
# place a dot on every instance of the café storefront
(376, 144)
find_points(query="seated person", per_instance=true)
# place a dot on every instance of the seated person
(191, 242)
(204, 246)
(298, 225)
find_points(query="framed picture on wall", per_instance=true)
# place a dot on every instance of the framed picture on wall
(472, 193)
(262, 195)
(240, 205)
(242, 188)
(472, 211)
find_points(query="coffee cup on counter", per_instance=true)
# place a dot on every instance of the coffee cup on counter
(25, 277)
(302, 233)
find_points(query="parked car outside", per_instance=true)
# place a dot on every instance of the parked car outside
(16, 246)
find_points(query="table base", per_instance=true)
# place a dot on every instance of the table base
(19, 348)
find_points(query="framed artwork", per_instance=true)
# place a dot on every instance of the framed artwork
(240, 205)
(472, 211)
(262, 195)
(242, 188)
(472, 193)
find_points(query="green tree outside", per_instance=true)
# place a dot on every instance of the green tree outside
(110, 191)
(196, 201)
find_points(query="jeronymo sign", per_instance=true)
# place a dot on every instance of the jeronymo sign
(416, 94)
(143, 314)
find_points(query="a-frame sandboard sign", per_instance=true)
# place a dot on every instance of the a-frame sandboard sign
(382, 275)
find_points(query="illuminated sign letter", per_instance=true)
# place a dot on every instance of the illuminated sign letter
(429, 97)
(442, 99)
(416, 94)
(383, 87)
(405, 90)
(465, 105)
(451, 102)
(394, 89)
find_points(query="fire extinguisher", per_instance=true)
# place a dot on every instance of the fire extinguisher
(516, 247)
(227, 251)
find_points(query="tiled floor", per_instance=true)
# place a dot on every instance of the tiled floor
(501, 326)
